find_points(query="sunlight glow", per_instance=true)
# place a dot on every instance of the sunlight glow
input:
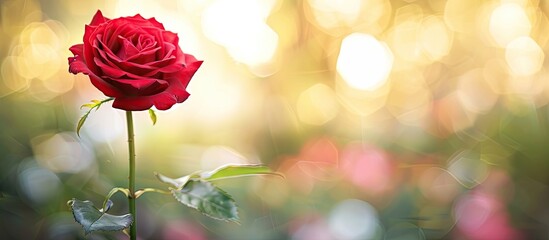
(410, 98)
(364, 62)
(330, 13)
(317, 105)
(435, 38)
(460, 15)
(474, 92)
(62, 153)
(524, 56)
(240, 27)
(334, 17)
(35, 61)
(507, 22)
(216, 156)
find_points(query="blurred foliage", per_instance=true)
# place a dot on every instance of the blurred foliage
(395, 119)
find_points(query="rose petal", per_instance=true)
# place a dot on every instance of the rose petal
(157, 35)
(125, 64)
(101, 47)
(132, 69)
(138, 17)
(165, 100)
(140, 86)
(181, 58)
(168, 69)
(146, 42)
(170, 37)
(162, 62)
(141, 83)
(168, 51)
(115, 72)
(108, 70)
(128, 49)
(190, 59)
(178, 83)
(104, 87)
(189, 72)
(98, 18)
(88, 47)
(151, 22)
(132, 103)
(76, 64)
(175, 93)
(135, 67)
(106, 54)
(155, 23)
(124, 29)
(88, 33)
(143, 57)
(107, 59)
(177, 89)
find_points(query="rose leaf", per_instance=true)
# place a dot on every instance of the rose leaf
(237, 170)
(93, 219)
(207, 199)
(176, 182)
(223, 172)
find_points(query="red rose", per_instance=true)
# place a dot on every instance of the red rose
(135, 61)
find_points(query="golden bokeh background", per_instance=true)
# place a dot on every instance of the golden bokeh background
(399, 119)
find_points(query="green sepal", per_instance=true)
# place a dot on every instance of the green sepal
(81, 123)
(152, 115)
(94, 104)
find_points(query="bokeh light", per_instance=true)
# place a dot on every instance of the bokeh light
(524, 56)
(240, 27)
(330, 14)
(369, 168)
(354, 219)
(38, 184)
(311, 227)
(467, 167)
(509, 21)
(364, 62)
(317, 105)
(62, 152)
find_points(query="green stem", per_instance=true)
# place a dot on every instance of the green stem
(131, 197)
(140, 192)
(112, 192)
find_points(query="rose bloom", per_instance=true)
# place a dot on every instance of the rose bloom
(135, 61)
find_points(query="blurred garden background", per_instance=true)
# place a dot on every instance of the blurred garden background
(399, 119)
